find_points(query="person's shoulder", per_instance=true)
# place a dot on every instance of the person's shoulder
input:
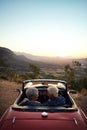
(24, 102)
(38, 103)
(60, 97)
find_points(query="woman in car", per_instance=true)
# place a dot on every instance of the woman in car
(31, 100)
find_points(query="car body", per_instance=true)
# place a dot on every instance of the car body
(67, 117)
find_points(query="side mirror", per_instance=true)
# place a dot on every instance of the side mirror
(73, 91)
(18, 90)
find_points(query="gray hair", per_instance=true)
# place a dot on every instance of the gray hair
(31, 92)
(53, 90)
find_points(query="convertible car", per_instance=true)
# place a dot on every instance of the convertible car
(66, 117)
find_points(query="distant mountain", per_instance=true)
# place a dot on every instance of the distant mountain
(53, 60)
(46, 59)
(9, 59)
(20, 62)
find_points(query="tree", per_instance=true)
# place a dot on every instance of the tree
(76, 63)
(69, 74)
(35, 71)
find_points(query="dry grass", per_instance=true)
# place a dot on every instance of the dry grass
(8, 95)
(81, 101)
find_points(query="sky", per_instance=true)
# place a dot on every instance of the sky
(44, 27)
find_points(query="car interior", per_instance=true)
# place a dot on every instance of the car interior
(43, 97)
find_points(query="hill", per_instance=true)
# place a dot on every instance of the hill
(49, 66)
(20, 62)
(53, 60)
(9, 59)
(17, 67)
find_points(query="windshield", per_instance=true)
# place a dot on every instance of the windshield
(44, 82)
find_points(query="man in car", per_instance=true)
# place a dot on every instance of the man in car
(31, 100)
(54, 98)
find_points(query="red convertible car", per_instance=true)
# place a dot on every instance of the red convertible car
(66, 117)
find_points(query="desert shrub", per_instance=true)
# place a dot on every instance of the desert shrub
(7, 73)
(84, 91)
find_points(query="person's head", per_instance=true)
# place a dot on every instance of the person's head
(32, 93)
(52, 91)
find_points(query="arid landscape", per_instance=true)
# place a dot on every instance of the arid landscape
(8, 94)
(81, 101)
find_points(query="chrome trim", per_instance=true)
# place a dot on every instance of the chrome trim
(75, 121)
(14, 119)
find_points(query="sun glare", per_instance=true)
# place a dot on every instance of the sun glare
(62, 55)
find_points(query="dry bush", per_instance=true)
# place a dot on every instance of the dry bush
(84, 92)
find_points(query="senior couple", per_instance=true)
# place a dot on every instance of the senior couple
(54, 98)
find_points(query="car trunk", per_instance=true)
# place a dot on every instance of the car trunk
(35, 121)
